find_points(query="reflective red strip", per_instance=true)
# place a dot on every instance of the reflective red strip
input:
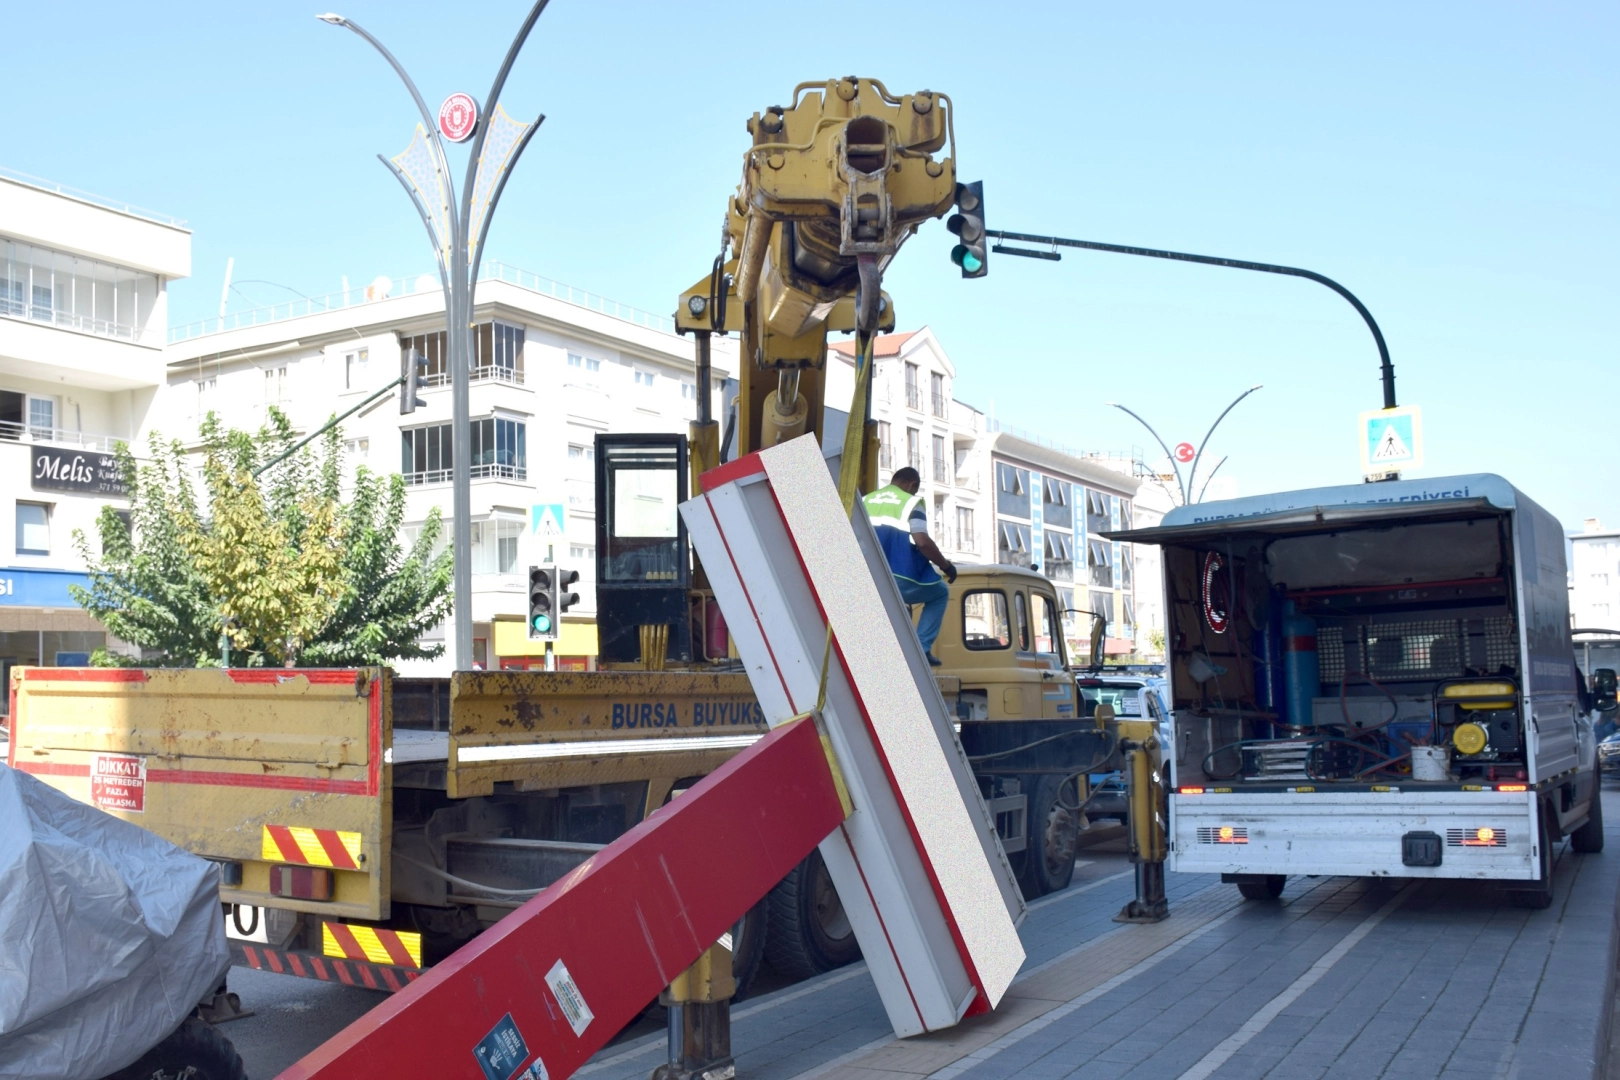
(388, 977)
(274, 961)
(315, 677)
(252, 955)
(85, 674)
(319, 965)
(297, 965)
(341, 859)
(290, 851)
(367, 977)
(343, 972)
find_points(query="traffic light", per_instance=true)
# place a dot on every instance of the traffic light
(412, 366)
(543, 606)
(566, 599)
(971, 254)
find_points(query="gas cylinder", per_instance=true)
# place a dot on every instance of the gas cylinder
(1302, 670)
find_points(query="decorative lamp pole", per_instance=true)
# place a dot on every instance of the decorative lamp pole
(1186, 484)
(457, 230)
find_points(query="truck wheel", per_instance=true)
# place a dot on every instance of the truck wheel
(1538, 894)
(194, 1051)
(748, 946)
(809, 932)
(1267, 888)
(1588, 839)
(1054, 832)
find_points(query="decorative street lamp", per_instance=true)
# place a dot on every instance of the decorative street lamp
(457, 231)
(1186, 485)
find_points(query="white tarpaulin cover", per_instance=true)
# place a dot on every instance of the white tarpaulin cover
(109, 936)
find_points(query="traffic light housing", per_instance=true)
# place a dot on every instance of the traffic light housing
(972, 252)
(566, 599)
(544, 608)
(412, 375)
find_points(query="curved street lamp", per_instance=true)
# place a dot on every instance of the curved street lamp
(1186, 484)
(424, 172)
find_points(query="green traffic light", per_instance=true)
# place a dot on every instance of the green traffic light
(963, 256)
(542, 624)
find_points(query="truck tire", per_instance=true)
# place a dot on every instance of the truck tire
(1267, 888)
(748, 946)
(809, 932)
(1054, 834)
(194, 1051)
(1537, 895)
(1588, 839)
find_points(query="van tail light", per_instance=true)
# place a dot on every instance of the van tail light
(1512, 787)
(301, 882)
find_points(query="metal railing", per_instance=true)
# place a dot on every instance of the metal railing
(914, 459)
(885, 456)
(478, 472)
(11, 431)
(57, 316)
(942, 473)
(913, 397)
(483, 373)
(408, 286)
(85, 196)
(938, 403)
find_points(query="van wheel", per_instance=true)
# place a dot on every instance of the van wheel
(1053, 837)
(1538, 894)
(809, 931)
(748, 946)
(194, 1051)
(1588, 839)
(1267, 888)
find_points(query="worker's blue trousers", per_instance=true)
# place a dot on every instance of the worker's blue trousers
(932, 597)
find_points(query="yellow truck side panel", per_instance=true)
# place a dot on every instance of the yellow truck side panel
(221, 762)
(553, 729)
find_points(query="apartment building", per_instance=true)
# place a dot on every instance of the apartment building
(553, 367)
(83, 306)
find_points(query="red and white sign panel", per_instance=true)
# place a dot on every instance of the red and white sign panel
(118, 782)
(458, 116)
(1185, 452)
(922, 876)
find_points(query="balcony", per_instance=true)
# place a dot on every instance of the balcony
(485, 373)
(939, 405)
(478, 472)
(913, 398)
(55, 436)
(942, 474)
(885, 456)
(914, 459)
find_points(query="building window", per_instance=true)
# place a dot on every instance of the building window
(425, 454)
(23, 413)
(936, 393)
(1098, 519)
(914, 450)
(1100, 564)
(913, 393)
(1124, 561)
(33, 528)
(205, 395)
(644, 379)
(587, 552)
(498, 448)
(354, 369)
(584, 363)
(885, 446)
(942, 474)
(964, 528)
(495, 546)
(358, 450)
(435, 350)
(275, 385)
(688, 391)
(41, 417)
(582, 457)
(498, 352)
(97, 298)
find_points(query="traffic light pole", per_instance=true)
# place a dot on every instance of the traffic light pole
(1387, 368)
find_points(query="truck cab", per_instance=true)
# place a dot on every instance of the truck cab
(1374, 680)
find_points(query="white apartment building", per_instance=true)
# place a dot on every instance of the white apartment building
(553, 367)
(1594, 577)
(83, 302)
(995, 496)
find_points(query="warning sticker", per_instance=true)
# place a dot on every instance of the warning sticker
(502, 1053)
(118, 782)
(578, 1014)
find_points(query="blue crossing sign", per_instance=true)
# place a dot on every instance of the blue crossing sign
(1391, 440)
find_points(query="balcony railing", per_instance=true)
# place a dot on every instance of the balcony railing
(885, 456)
(914, 459)
(60, 316)
(942, 474)
(35, 433)
(939, 406)
(485, 373)
(478, 472)
(913, 398)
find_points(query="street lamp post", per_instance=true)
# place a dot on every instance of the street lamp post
(1186, 484)
(457, 230)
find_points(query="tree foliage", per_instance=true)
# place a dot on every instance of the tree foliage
(281, 565)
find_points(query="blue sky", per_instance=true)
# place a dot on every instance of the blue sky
(1452, 164)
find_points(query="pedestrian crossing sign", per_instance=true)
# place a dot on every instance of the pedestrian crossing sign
(1391, 440)
(546, 519)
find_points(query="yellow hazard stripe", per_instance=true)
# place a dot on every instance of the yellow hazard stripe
(308, 844)
(370, 942)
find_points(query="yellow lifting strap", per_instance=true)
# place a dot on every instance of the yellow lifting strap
(849, 467)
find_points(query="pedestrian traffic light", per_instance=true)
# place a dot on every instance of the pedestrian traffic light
(543, 606)
(968, 225)
(412, 369)
(566, 599)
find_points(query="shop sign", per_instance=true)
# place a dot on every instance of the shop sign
(39, 588)
(118, 782)
(77, 470)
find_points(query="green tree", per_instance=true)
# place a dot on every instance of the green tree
(280, 564)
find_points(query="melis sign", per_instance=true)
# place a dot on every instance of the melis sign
(76, 470)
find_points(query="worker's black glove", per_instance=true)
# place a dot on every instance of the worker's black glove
(950, 573)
